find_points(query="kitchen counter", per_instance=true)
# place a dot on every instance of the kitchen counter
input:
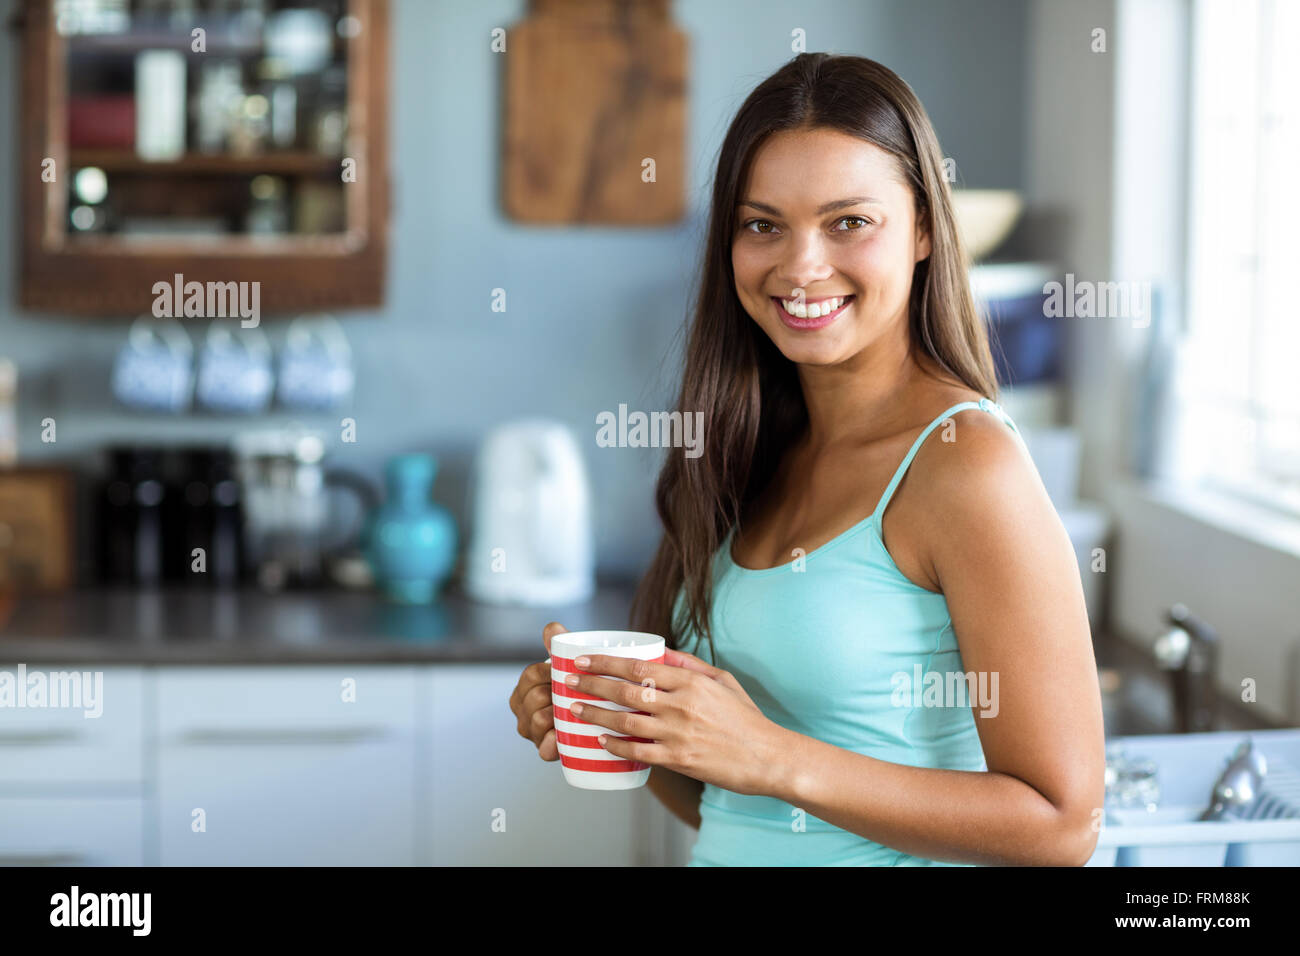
(187, 626)
(247, 626)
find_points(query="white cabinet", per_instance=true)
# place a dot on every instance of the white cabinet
(493, 801)
(71, 831)
(277, 766)
(71, 767)
(95, 742)
(307, 765)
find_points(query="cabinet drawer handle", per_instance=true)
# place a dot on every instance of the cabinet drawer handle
(41, 859)
(285, 736)
(27, 737)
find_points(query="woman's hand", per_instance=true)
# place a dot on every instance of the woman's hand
(531, 701)
(702, 722)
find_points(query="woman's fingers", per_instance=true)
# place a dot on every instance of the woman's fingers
(649, 674)
(541, 723)
(690, 662)
(538, 705)
(549, 631)
(531, 700)
(531, 692)
(548, 749)
(532, 675)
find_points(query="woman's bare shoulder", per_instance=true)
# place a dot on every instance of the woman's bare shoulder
(970, 439)
(971, 450)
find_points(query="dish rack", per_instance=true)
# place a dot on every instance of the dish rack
(1187, 767)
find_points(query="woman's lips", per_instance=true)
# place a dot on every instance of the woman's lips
(804, 325)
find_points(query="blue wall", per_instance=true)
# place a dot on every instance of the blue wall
(592, 312)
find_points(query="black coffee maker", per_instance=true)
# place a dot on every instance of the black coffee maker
(169, 516)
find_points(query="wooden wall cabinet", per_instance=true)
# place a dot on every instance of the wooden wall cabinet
(273, 209)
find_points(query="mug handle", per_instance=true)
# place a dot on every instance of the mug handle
(220, 337)
(365, 493)
(148, 328)
(324, 329)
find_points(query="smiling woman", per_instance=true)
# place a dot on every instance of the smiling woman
(834, 333)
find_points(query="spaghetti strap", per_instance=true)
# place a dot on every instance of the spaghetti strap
(992, 408)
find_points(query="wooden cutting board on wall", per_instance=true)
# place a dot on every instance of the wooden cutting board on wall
(593, 89)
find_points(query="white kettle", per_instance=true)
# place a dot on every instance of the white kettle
(532, 540)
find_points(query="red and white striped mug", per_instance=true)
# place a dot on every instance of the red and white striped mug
(585, 762)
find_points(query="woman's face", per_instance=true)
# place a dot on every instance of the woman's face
(825, 216)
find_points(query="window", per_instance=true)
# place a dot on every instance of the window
(1240, 396)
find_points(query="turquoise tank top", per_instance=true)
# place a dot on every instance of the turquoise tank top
(818, 650)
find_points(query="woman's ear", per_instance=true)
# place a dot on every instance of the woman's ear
(922, 240)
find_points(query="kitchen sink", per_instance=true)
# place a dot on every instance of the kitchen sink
(1137, 699)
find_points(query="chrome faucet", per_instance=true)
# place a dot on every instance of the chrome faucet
(1189, 650)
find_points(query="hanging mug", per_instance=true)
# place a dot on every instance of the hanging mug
(154, 369)
(315, 369)
(234, 373)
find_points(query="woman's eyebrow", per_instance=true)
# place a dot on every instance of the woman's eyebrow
(824, 208)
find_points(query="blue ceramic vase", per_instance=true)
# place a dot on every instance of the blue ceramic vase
(411, 542)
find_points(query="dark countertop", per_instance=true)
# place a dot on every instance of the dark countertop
(187, 626)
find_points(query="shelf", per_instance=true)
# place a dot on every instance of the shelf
(186, 213)
(281, 163)
(315, 246)
(135, 42)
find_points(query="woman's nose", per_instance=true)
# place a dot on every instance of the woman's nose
(805, 263)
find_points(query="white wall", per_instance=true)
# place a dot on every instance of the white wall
(1107, 151)
(1068, 175)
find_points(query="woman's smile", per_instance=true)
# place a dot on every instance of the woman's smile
(811, 314)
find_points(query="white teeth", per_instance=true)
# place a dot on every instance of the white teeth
(814, 310)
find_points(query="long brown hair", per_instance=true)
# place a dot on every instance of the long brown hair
(748, 391)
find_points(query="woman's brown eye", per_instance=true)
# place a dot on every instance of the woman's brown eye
(758, 222)
(855, 219)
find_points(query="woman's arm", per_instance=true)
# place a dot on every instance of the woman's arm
(679, 793)
(1008, 572)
